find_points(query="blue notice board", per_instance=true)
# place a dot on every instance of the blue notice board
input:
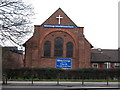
(64, 63)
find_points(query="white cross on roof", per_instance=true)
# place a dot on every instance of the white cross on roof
(59, 18)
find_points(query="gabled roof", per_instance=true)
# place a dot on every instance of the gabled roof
(89, 43)
(52, 19)
(105, 55)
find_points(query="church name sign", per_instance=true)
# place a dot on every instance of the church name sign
(64, 63)
(58, 26)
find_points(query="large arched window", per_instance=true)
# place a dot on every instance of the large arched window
(69, 49)
(47, 49)
(58, 47)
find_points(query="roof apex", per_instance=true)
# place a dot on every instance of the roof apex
(53, 20)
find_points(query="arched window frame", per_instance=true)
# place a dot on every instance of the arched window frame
(69, 49)
(58, 47)
(47, 49)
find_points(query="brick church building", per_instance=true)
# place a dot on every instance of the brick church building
(57, 41)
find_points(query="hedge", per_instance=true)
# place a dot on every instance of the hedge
(53, 73)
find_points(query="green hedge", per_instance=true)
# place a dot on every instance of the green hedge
(53, 73)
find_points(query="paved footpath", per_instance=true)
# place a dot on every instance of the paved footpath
(52, 85)
(61, 83)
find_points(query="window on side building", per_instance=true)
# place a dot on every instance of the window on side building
(117, 65)
(95, 65)
(107, 65)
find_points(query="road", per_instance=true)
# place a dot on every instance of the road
(57, 88)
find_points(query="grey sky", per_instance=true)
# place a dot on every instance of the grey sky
(98, 17)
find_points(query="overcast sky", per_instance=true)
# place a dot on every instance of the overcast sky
(98, 17)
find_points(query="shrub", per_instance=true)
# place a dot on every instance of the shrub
(53, 73)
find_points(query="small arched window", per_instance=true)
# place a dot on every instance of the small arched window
(47, 49)
(69, 49)
(58, 47)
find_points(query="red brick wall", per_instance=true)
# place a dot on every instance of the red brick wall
(35, 51)
(11, 60)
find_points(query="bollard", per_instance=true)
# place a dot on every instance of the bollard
(32, 79)
(107, 82)
(58, 79)
(58, 82)
(82, 82)
(6, 80)
(3, 78)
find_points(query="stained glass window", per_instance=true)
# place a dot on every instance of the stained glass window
(47, 49)
(69, 49)
(58, 47)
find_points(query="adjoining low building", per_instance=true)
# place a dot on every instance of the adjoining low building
(105, 58)
(12, 58)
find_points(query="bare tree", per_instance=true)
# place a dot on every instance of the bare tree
(15, 19)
